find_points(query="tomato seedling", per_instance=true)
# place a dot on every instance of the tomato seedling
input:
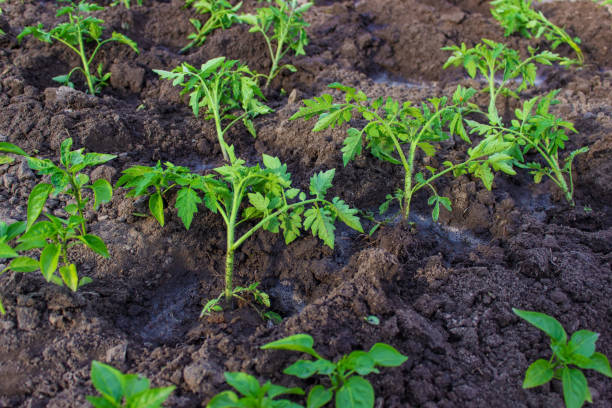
(254, 394)
(74, 34)
(222, 88)
(269, 194)
(126, 3)
(345, 375)
(579, 352)
(120, 390)
(391, 125)
(517, 16)
(285, 27)
(55, 237)
(222, 15)
(540, 130)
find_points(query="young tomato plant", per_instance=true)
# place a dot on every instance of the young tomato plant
(390, 126)
(56, 236)
(120, 390)
(517, 16)
(254, 394)
(579, 352)
(285, 27)
(269, 194)
(540, 131)
(345, 375)
(79, 30)
(223, 88)
(126, 3)
(222, 15)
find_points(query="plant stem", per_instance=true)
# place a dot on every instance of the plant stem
(84, 60)
(79, 199)
(408, 181)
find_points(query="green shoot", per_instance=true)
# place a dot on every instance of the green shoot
(75, 34)
(254, 394)
(490, 58)
(578, 352)
(391, 125)
(222, 15)
(120, 390)
(536, 130)
(285, 27)
(271, 202)
(517, 16)
(55, 237)
(223, 88)
(345, 375)
(1, 34)
(126, 3)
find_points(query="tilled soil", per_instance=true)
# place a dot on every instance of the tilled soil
(443, 292)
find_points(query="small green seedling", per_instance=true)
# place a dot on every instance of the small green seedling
(223, 88)
(2, 32)
(120, 390)
(517, 16)
(75, 34)
(345, 375)
(254, 394)
(578, 352)
(269, 194)
(285, 27)
(126, 3)
(56, 236)
(490, 58)
(222, 15)
(391, 125)
(540, 130)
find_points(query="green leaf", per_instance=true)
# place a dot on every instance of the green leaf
(386, 356)
(108, 381)
(6, 160)
(36, 202)
(6, 251)
(575, 388)
(152, 398)
(125, 40)
(298, 342)
(225, 399)
(156, 206)
(599, 363)
(352, 145)
(103, 192)
(100, 402)
(539, 372)
(69, 276)
(49, 259)
(39, 231)
(96, 244)
(583, 342)
(360, 361)
(244, 383)
(318, 397)
(187, 201)
(355, 393)
(427, 148)
(321, 182)
(7, 147)
(547, 324)
(328, 119)
(260, 202)
(23, 264)
(347, 214)
(320, 222)
(302, 369)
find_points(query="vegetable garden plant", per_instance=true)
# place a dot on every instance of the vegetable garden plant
(76, 33)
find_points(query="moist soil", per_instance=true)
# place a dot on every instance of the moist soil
(443, 292)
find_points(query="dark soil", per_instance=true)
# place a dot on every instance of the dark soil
(443, 292)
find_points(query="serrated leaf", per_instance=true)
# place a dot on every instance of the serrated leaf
(352, 146)
(347, 214)
(321, 182)
(187, 201)
(321, 224)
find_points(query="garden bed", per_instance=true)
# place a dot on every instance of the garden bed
(443, 291)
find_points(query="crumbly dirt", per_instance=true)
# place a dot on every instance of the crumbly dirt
(443, 292)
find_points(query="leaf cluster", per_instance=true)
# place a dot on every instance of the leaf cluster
(126, 3)
(346, 375)
(222, 15)
(223, 88)
(282, 25)
(55, 236)
(254, 395)
(518, 16)
(120, 390)
(579, 351)
(81, 28)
